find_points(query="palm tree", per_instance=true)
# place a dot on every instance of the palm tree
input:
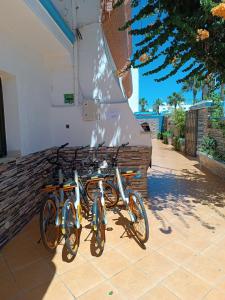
(156, 105)
(175, 99)
(143, 102)
(193, 84)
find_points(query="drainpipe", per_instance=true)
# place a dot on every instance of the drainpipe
(75, 54)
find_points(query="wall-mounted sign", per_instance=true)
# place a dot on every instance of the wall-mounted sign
(112, 114)
(68, 98)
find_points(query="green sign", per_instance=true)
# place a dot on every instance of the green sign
(69, 98)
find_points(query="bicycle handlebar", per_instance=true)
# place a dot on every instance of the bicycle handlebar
(114, 159)
(63, 146)
(56, 160)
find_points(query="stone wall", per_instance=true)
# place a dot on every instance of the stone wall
(216, 167)
(218, 135)
(20, 197)
(21, 181)
(202, 125)
(137, 157)
(154, 126)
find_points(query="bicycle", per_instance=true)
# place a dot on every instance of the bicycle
(132, 199)
(72, 210)
(51, 207)
(78, 201)
(110, 192)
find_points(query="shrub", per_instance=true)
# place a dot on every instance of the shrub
(178, 118)
(159, 136)
(208, 145)
(166, 135)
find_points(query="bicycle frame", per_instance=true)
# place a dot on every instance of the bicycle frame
(125, 198)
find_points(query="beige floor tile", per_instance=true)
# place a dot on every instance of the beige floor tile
(81, 279)
(111, 262)
(159, 293)
(206, 268)
(64, 261)
(22, 256)
(37, 273)
(156, 266)
(17, 242)
(221, 285)
(131, 283)
(186, 285)
(197, 243)
(217, 253)
(5, 272)
(54, 290)
(103, 291)
(8, 288)
(132, 250)
(215, 295)
(87, 247)
(176, 251)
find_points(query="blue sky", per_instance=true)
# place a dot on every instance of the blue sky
(150, 89)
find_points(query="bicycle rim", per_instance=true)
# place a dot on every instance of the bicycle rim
(140, 226)
(98, 224)
(49, 231)
(110, 193)
(72, 234)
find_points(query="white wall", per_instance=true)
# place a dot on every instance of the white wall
(24, 42)
(96, 74)
(11, 112)
(134, 99)
(117, 125)
(96, 81)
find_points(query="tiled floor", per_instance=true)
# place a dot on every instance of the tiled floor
(183, 259)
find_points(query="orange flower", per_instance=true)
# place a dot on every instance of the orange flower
(144, 58)
(219, 10)
(202, 34)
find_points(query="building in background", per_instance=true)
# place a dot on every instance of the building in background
(134, 99)
(167, 109)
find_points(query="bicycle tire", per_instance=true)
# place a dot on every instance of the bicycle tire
(98, 224)
(138, 210)
(110, 192)
(49, 245)
(69, 228)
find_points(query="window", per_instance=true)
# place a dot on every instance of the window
(3, 150)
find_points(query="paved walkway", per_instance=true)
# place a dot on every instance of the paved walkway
(184, 258)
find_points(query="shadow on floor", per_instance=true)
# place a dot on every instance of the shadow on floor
(181, 192)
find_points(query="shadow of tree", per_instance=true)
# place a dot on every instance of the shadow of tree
(182, 192)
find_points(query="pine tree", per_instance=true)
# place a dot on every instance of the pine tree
(185, 33)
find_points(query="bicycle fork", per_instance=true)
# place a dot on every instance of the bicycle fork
(124, 197)
(95, 209)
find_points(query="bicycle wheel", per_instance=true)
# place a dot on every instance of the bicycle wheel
(140, 226)
(111, 194)
(71, 232)
(98, 223)
(49, 230)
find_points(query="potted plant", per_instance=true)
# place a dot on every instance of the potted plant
(169, 137)
(159, 135)
(165, 139)
(182, 144)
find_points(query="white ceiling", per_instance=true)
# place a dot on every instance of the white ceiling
(78, 12)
